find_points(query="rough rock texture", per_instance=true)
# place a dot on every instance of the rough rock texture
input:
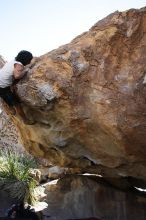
(10, 136)
(88, 101)
(81, 197)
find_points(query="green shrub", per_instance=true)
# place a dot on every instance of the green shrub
(14, 175)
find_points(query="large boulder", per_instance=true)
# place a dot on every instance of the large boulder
(87, 100)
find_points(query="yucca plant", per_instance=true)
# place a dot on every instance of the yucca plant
(15, 177)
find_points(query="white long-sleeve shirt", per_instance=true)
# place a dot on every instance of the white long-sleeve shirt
(6, 74)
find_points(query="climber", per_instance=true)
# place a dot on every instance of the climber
(10, 74)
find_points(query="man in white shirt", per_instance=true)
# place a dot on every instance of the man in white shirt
(10, 74)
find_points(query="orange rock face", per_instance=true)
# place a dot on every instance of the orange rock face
(87, 99)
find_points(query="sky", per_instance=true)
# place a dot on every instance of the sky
(40, 26)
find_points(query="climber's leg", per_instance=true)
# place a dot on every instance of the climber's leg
(7, 96)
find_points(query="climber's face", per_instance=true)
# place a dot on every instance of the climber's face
(18, 71)
(18, 67)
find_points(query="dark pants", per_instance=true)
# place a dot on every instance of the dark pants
(8, 96)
